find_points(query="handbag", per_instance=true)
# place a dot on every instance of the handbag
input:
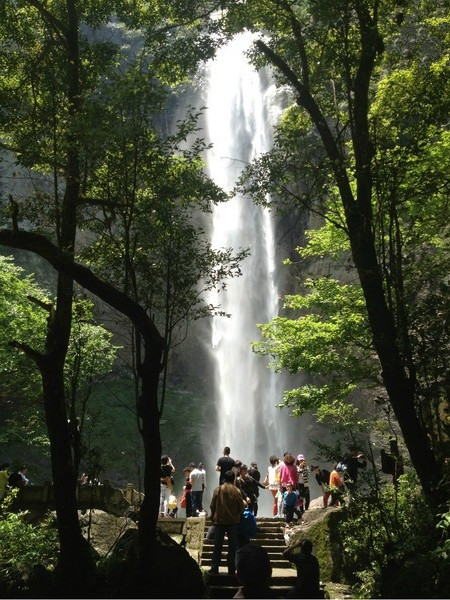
(183, 500)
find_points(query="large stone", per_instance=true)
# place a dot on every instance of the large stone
(103, 529)
(174, 573)
(322, 527)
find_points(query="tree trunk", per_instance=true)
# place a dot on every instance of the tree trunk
(75, 561)
(359, 218)
(400, 387)
(149, 373)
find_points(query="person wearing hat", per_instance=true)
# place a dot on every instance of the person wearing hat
(253, 570)
(303, 481)
(336, 485)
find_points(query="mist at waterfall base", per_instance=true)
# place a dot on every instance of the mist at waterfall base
(239, 118)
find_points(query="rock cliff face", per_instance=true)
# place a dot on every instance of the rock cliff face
(321, 526)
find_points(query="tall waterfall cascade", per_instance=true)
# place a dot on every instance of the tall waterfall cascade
(239, 121)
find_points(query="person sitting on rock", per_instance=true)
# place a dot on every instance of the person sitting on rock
(308, 570)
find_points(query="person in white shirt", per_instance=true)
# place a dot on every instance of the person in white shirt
(198, 483)
(273, 481)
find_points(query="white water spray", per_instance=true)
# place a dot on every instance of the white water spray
(247, 392)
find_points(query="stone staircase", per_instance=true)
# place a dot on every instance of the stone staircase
(271, 536)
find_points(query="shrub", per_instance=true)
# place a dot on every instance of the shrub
(389, 538)
(25, 550)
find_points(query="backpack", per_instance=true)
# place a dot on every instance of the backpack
(247, 526)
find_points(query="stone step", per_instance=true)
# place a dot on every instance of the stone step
(274, 555)
(225, 591)
(279, 535)
(225, 586)
(263, 526)
(271, 550)
(270, 535)
(266, 542)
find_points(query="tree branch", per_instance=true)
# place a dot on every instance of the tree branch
(306, 100)
(62, 261)
(28, 350)
(55, 24)
(48, 306)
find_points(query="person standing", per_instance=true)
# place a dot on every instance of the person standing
(225, 463)
(303, 483)
(166, 487)
(323, 480)
(272, 480)
(336, 485)
(197, 481)
(288, 474)
(255, 477)
(3, 479)
(249, 488)
(187, 491)
(290, 502)
(226, 507)
(254, 472)
(308, 570)
(18, 478)
(353, 461)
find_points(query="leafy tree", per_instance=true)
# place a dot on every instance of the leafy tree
(390, 535)
(55, 72)
(153, 195)
(333, 56)
(329, 341)
(24, 308)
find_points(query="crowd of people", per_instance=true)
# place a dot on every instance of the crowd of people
(192, 496)
(236, 495)
(287, 479)
(234, 507)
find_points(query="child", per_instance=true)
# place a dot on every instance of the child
(290, 501)
(172, 505)
(187, 491)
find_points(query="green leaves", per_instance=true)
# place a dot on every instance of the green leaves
(329, 341)
(24, 310)
(23, 547)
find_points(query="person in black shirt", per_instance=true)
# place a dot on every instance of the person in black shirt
(254, 572)
(353, 461)
(255, 475)
(323, 480)
(249, 488)
(308, 570)
(224, 464)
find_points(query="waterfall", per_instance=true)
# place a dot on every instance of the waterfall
(239, 127)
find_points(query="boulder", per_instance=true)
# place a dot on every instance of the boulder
(173, 574)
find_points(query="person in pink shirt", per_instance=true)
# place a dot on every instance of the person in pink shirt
(288, 472)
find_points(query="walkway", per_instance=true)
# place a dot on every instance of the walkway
(270, 536)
